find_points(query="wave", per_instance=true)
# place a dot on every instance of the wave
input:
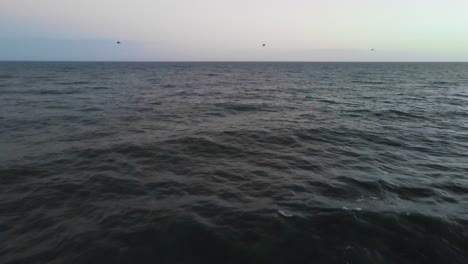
(73, 83)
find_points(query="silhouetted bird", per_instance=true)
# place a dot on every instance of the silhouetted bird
(372, 49)
(118, 42)
(263, 45)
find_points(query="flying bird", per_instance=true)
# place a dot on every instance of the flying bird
(263, 45)
(118, 42)
(372, 49)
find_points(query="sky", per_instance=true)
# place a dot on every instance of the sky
(234, 30)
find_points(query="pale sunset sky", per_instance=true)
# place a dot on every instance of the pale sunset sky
(221, 30)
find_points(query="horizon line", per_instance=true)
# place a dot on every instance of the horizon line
(239, 61)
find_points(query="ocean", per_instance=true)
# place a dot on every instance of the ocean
(232, 162)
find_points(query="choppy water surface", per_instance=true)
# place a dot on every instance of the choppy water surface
(233, 163)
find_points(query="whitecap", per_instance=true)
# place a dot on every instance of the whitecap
(284, 213)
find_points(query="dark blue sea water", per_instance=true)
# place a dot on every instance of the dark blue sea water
(233, 163)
